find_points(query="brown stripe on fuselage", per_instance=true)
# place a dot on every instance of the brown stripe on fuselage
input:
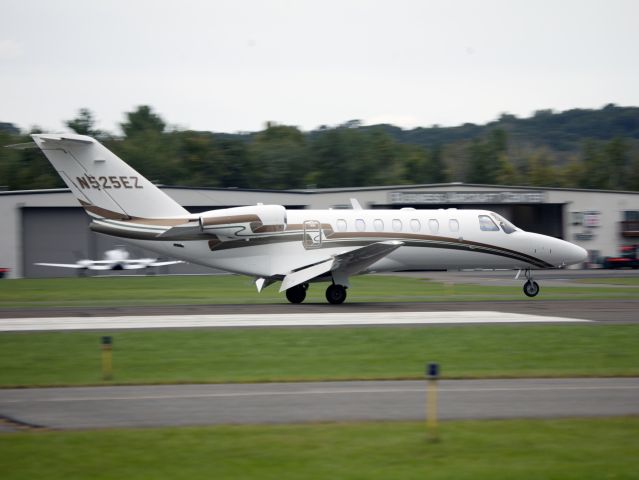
(103, 212)
(255, 241)
(326, 227)
(472, 245)
(120, 232)
(111, 215)
(162, 222)
(259, 227)
(349, 239)
(442, 244)
(230, 219)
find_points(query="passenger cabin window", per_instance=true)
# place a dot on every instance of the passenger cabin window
(453, 225)
(378, 224)
(341, 225)
(415, 225)
(486, 224)
(433, 225)
(397, 225)
(360, 225)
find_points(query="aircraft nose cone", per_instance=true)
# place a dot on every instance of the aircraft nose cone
(575, 254)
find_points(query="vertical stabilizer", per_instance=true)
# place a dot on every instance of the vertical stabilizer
(104, 184)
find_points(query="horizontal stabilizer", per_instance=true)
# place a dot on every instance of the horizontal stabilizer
(62, 138)
(22, 146)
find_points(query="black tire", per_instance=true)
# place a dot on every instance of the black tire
(531, 288)
(296, 294)
(335, 294)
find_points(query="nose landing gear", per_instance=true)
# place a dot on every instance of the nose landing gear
(531, 288)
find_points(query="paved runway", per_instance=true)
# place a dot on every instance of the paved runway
(179, 405)
(273, 320)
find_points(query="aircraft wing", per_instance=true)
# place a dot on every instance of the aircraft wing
(63, 265)
(344, 264)
(307, 273)
(359, 259)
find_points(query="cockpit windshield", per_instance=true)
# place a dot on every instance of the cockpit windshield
(486, 224)
(505, 225)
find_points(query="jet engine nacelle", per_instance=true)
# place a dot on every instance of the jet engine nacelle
(244, 221)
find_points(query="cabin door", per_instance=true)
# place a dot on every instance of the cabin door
(312, 234)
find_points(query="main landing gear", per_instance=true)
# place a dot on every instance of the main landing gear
(531, 288)
(335, 294)
(297, 294)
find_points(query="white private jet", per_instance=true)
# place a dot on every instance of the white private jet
(295, 247)
(116, 259)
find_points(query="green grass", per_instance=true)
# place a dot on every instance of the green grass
(297, 354)
(579, 449)
(231, 289)
(632, 281)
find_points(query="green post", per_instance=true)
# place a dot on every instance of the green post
(107, 358)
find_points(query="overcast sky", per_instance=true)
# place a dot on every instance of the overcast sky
(233, 65)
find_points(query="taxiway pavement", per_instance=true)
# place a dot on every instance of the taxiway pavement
(181, 405)
(621, 311)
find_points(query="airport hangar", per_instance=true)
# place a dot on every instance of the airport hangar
(50, 226)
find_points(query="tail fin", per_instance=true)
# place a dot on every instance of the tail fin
(104, 184)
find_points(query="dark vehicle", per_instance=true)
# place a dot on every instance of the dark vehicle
(3, 272)
(627, 259)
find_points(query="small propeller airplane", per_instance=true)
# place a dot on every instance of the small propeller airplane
(294, 247)
(116, 259)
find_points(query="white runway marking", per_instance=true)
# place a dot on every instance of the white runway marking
(272, 320)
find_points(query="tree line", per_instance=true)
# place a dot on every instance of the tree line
(596, 149)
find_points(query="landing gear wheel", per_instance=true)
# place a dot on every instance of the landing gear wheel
(296, 294)
(531, 288)
(336, 294)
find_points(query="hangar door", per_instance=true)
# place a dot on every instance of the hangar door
(545, 218)
(54, 235)
(62, 235)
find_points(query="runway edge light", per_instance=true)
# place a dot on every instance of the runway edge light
(432, 373)
(107, 357)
